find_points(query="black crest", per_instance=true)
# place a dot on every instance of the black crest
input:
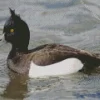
(12, 12)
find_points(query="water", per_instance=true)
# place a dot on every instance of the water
(70, 22)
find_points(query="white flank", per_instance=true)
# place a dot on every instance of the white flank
(67, 66)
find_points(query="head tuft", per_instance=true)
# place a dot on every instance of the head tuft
(12, 12)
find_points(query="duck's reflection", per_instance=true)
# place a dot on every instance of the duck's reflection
(17, 87)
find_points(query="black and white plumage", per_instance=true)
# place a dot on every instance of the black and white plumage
(45, 60)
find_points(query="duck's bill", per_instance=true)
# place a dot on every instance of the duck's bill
(1, 37)
(2, 40)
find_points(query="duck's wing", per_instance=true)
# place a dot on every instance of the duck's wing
(53, 53)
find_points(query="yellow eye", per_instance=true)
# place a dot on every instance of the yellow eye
(11, 30)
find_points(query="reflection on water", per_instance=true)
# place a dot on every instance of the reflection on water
(17, 87)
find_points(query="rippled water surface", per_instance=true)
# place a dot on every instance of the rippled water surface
(70, 22)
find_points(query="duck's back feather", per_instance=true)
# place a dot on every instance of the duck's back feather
(53, 53)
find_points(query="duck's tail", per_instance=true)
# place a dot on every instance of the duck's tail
(91, 61)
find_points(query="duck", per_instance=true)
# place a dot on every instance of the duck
(45, 60)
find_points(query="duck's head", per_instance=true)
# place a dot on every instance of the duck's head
(16, 31)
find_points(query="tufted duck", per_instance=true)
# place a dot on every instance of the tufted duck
(45, 60)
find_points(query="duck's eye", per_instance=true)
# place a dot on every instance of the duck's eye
(11, 30)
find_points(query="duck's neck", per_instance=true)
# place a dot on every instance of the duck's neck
(17, 51)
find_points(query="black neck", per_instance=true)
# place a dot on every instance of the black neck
(15, 51)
